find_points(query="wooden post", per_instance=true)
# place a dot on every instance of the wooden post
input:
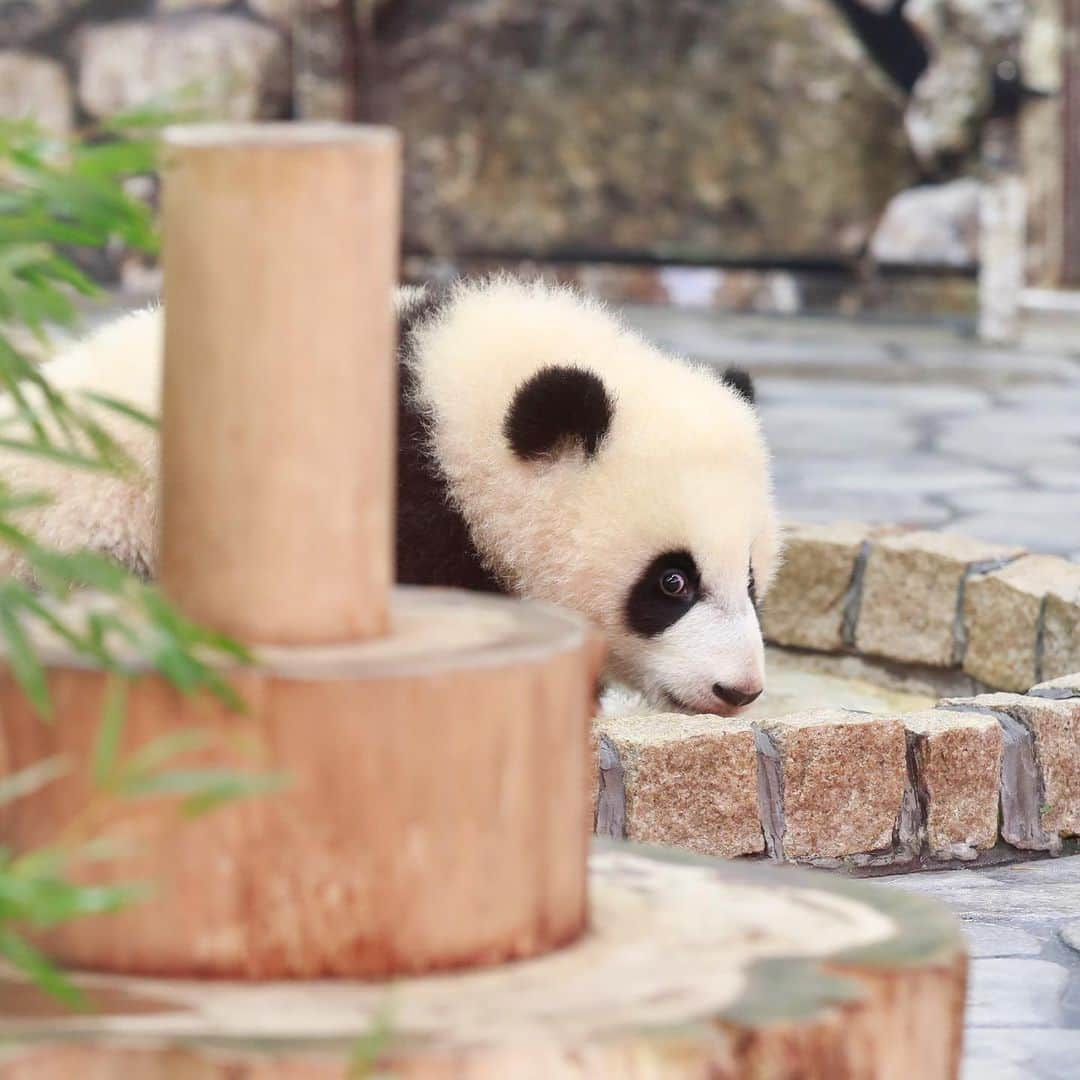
(278, 404)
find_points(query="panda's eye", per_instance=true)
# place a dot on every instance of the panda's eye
(675, 584)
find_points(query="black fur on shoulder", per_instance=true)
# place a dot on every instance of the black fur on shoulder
(556, 407)
(741, 383)
(434, 546)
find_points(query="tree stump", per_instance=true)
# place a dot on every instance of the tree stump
(691, 968)
(433, 814)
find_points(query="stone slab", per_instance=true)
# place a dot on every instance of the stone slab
(689, 781)
(1016, 993)
(1055, 727)
(956, 760)
(35, 88)
(1002, 612)
(1030, 894)
(910, 594)
(1037, 1053)
(1061, 624)
(807, 603)
(842, 781)
(987, 940)
(1070, 934)
(1066, 686)
(232, 67)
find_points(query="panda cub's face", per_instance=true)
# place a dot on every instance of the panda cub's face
(659, 550)
(690, 644)
(597, 472)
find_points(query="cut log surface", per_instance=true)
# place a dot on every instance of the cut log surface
(434, 814)
(691, 968)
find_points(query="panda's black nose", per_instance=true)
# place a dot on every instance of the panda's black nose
(730, 696)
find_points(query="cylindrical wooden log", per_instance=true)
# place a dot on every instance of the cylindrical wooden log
(692, 968)
(278, 403)
(434, 818)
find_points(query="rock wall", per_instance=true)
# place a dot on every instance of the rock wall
(703, 130)
(794, 133)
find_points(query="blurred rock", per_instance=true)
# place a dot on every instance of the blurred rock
(697, 130)
(166, 6)
(233, 67)
(33, 87)
(935, 225)
(283, 10)
(321, 84)
(984, 22)
(967, 39)
(22, 20)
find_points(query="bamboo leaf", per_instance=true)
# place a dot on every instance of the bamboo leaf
(160, 751)
(25, 665)
(110, 732)
(36, 966)
(123, 408)
(203, 789)
(33, 778)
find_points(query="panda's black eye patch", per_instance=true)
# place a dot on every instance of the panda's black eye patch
(663, 593)
(555, 409)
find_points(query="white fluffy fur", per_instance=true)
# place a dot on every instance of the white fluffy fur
(683, 466)
(113, 515)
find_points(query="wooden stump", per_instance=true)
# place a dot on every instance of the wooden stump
(434, 815)
(692, 968)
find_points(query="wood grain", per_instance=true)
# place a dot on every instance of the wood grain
(435, 816)
(280, 258)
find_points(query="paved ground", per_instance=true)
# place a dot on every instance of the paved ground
(906, 423)
(1023, 1020)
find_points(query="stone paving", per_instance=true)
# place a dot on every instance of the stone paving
(906, 423)
(1023, 1020)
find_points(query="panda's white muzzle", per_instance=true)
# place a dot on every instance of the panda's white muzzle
(711, 661)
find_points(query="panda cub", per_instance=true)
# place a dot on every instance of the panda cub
(544, 450)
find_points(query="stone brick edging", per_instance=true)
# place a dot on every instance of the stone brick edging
(1006, 618)
(975, 777)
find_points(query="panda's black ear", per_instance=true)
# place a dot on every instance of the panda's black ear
(556, 409)
(741, 383)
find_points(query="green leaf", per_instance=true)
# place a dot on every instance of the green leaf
(123, 408)
(37, 967)
(110, 732)
(125, 157)
(49, 901)
(241, 786)
(26, 781)
(25, 665)
(54, 453)
(86, 568)
(368, 1049)
(160, 751)
(203, 789)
